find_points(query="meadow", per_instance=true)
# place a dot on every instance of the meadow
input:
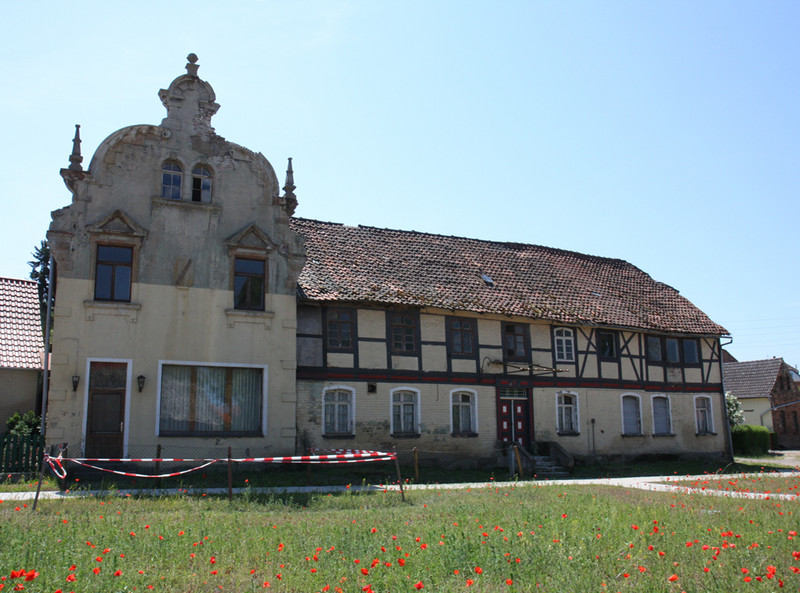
(489, 538)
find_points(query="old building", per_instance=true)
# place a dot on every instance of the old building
(194, 311)
(176, 309)
(768, 395)
(21, 348)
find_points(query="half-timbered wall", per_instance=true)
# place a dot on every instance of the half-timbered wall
(598, 374)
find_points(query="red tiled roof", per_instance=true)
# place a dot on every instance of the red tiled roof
(21, 344)
(751, 378)
(389, 267)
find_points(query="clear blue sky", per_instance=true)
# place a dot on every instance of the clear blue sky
(662, 133)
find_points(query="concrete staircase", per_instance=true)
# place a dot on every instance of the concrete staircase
(546, 468)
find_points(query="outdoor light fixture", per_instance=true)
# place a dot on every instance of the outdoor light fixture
(140, 381)
(75, 380)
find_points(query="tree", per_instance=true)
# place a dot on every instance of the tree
(40, 271)
(735, 413)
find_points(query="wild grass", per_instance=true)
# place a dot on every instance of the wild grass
(544, 537)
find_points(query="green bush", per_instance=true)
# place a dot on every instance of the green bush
(750, 440)
(23, 424)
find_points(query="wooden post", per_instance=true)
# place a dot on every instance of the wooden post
(399, 478)
(230, 475)
(416, 465)
(519, 460)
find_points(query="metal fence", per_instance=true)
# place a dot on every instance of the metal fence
(21, 454)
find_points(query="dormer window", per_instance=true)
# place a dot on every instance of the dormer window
(171, 174)
(201, 184)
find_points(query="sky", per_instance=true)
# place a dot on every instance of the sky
(662, 133)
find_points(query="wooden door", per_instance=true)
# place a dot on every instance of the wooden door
(513, 420)
(105, 426)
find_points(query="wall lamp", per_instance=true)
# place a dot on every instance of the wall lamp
(75, 380)
(140, 381)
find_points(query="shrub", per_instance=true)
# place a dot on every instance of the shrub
(23, 424)
(750, 440)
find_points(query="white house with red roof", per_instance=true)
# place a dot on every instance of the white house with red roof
(21, 348)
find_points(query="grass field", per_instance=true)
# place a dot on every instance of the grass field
(531, 538)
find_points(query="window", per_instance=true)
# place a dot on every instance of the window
(404, 413)
(514, 342)
(794, 421)
(201, 184)
(341, 329)
(462, 336)
(171, 175)
(703, 417)
(607, 345)
(567, 413)
(691, 351)
(654, 350)
(673, 351)
(662, 419)
(338, 411)
(464, 416)
(113, 273)
(631, 415)
(210, 400)
(403, 331)
(249, 280)
(565, 345)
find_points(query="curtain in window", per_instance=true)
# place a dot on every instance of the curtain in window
(176, 384)
(210, 399)
(245, 400)
(566, 414)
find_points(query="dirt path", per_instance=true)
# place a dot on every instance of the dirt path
(786, 458)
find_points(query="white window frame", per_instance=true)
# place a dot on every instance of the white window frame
(473, 405)
(560, 339)
(710, 415)
(351, 415)
(669, 413)
(575, 412)
(264, 388)
(622, 412)
(416, 430)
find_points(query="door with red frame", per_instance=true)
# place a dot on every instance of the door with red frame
(514, 423)
(105, 425)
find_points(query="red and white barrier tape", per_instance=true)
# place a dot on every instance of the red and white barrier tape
(339, 456)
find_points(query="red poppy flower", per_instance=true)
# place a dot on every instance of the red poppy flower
(96, 570)
(117, 573)
(365, 571)
(419, 585)
(15, 574)
(509, 582)
(479, 570)
(71, 578)
(470, 582)
(30, 575)
(673, 578)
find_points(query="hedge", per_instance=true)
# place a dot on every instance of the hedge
(750, 440)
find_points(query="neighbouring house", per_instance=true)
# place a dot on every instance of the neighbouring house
(195, 312)
(768, 396)
(21, 348)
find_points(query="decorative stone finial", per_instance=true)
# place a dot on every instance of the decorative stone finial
(75, 159)
(290, 200)
(191, 67)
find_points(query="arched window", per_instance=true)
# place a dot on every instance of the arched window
(662, 418)
(631, 415)
(464, 416)
(405, 412)
(703, 415)
(171, 175)
(338, 411)
(201, 184)
(567, 413)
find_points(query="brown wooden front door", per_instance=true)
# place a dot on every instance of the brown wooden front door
(105, 425)
(513, 417)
